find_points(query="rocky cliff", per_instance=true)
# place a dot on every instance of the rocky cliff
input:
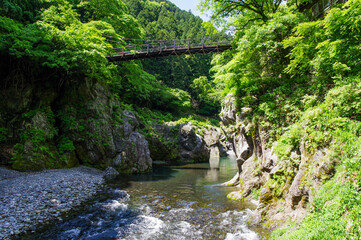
(46, 126)
(79, 122)
(282, 187)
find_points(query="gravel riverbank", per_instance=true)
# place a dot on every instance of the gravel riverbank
(31, 199)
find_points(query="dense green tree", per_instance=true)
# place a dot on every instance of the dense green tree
(226, 8)
(162, 20)
(69, 39)
(301, 78)
(58, 40)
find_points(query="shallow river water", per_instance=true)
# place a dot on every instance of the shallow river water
(171, 203)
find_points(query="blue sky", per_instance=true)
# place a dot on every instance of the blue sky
(190, 4)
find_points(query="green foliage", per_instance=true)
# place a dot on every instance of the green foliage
(40, 147)
(163, 20)
(138, 85)
(114, 12)
(150, 117)
(69, 122)
(335, 210)
(141, 88)
(65, 145)
(36, 141)
(198, 121)
(254, 10)
(67, 38)
(59, 40)
(257, 66)
(202, 87)
(22, 10)
(181, 99)
(30, 114)
(346, 100)
(3, 134)
(302, 80)
(207, 96)
(289, 141)
(330, 46)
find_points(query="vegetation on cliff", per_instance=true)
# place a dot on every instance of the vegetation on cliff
(301, 77)
(65, 101)
(67, 39)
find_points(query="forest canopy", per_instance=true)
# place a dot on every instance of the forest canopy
(69, 38)
(300, 74)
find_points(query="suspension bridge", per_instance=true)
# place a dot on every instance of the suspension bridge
(140, 49)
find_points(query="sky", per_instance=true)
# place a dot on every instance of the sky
(190, 4)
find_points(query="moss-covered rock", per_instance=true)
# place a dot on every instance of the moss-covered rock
(163, 142)
(38, 149)
(135, 156)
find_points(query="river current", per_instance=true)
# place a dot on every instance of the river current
(171, 203)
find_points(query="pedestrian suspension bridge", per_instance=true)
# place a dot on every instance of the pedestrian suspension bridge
(140, 49)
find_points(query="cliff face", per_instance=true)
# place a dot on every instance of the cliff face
(45, 125)
(49, 126)
(283, 187)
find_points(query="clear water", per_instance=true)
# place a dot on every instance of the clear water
(171, 203)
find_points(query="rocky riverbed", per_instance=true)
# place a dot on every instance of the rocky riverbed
(29, 200)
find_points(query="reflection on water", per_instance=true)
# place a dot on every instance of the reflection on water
(171, 203)
(212, 175)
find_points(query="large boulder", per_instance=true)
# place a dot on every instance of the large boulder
(191, 145)
(163, 142)
(184, 143)
(135, 156)
(212, 138)
(110, 174)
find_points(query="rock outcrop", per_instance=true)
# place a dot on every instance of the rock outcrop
(134, 156)
(111, 135)
(185, 143)
(283, 187)
(163, 142)
(80, 123)
(110, 174)
(192, 147)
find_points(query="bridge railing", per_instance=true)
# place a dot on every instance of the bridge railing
(158, 46)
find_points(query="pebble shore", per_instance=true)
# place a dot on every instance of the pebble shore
(29, 200)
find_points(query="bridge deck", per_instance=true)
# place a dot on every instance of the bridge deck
(167, 52)
(164, 48)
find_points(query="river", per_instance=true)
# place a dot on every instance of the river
(171, 203)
